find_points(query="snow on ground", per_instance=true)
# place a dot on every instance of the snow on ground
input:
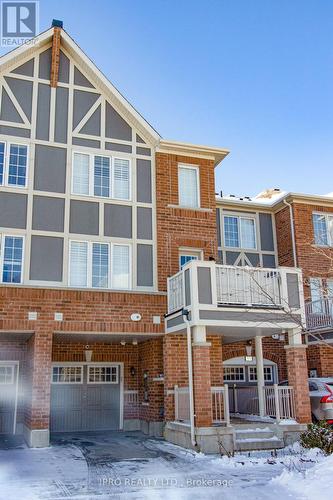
(132, 466)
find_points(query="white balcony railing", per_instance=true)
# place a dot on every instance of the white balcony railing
(176, 292)
(248, 286)
(319, 314)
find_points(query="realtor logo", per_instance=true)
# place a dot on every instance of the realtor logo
(19, 22)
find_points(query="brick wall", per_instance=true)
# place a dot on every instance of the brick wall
(178, 227)
(55, 60)
(283, 238)
(321, 358)
(151, 363)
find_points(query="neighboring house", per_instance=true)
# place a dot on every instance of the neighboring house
(110, 293)
(286, 229)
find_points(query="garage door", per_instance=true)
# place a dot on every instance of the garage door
(85, 397)
(8, 388)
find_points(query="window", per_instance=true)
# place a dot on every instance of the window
(188, 186)
(81, 174)
(323, 229)
(96, 265)
(103, 375)
(320, 289)
(6, 375)
(11, 259)
(67, 374)
(234, 374)
(101, 176)
(100, 265)
(268, 373)
(120, 266)
(239, 232)
(13, 164)
(78, 264)
(121, 179)
(188, 255)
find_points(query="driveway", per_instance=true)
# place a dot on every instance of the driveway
(130, 465)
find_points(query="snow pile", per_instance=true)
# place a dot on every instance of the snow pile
(311, 483)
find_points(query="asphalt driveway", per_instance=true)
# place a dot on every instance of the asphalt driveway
(129, 465)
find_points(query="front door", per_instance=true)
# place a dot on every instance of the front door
(8, 396)
(85, 397)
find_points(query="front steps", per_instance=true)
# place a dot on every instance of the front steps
(256, 438)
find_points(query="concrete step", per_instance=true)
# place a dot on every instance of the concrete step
(250, 433)
(257, 443)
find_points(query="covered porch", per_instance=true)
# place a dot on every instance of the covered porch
(210, 307)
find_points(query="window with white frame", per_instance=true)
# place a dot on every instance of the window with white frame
(67, 374)
(11, 258)
(103, 374)
(239, 232)
(188, 186)
(13, 164)
(105, 176)
(6, 374)
(323, 229)
(186, 256)
(268, 373)
(99, 265)
(321, 289)
(234, 373)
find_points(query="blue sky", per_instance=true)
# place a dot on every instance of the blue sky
(255, 77)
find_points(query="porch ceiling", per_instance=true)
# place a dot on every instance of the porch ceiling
(15, 336)
(103, 338)
(232, 334)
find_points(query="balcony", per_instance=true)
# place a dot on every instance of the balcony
(237, 301)
(319, 314)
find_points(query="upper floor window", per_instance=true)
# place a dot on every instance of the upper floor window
(13, 164)
(11, 258)
(323, 229)
(239, 232)
(188, 186)
(186, 256)
(99, 265)
(95, 175)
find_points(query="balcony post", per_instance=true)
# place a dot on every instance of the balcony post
(260, 375)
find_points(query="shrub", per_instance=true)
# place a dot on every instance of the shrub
(319, 435)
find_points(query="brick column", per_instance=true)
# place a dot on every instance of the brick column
(175, 370)
(202, 384)
(55, 57)
(38, 384)
(297, 370)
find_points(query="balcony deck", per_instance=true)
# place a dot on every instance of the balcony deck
(238, 302)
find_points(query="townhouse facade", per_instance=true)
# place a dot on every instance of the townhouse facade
(126, 300)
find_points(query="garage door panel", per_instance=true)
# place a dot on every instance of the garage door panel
(86, 406)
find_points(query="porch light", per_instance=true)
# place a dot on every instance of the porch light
(248, 349)
(133, 371)
(123, 342)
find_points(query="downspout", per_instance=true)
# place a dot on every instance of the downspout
(292, 231)
(185, 314)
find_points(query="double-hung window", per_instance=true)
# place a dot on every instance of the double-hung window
(105, 176)
(323, 229)
(239, 232)
(11, 258)
(188, 186)
(13, 164)
(99, 265)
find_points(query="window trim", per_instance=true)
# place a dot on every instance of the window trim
(197, 170)
(191, 252)
(90, 261)
(102, 365)
(241, 247)
(235, 380)
(3, 236)
(67, 365)
(327, 215)
(5, 175)
(91, 176)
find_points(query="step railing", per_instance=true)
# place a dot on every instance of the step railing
(319, 314)
(182, 404)
(220, 405)
(176, 298)
(279, 402)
